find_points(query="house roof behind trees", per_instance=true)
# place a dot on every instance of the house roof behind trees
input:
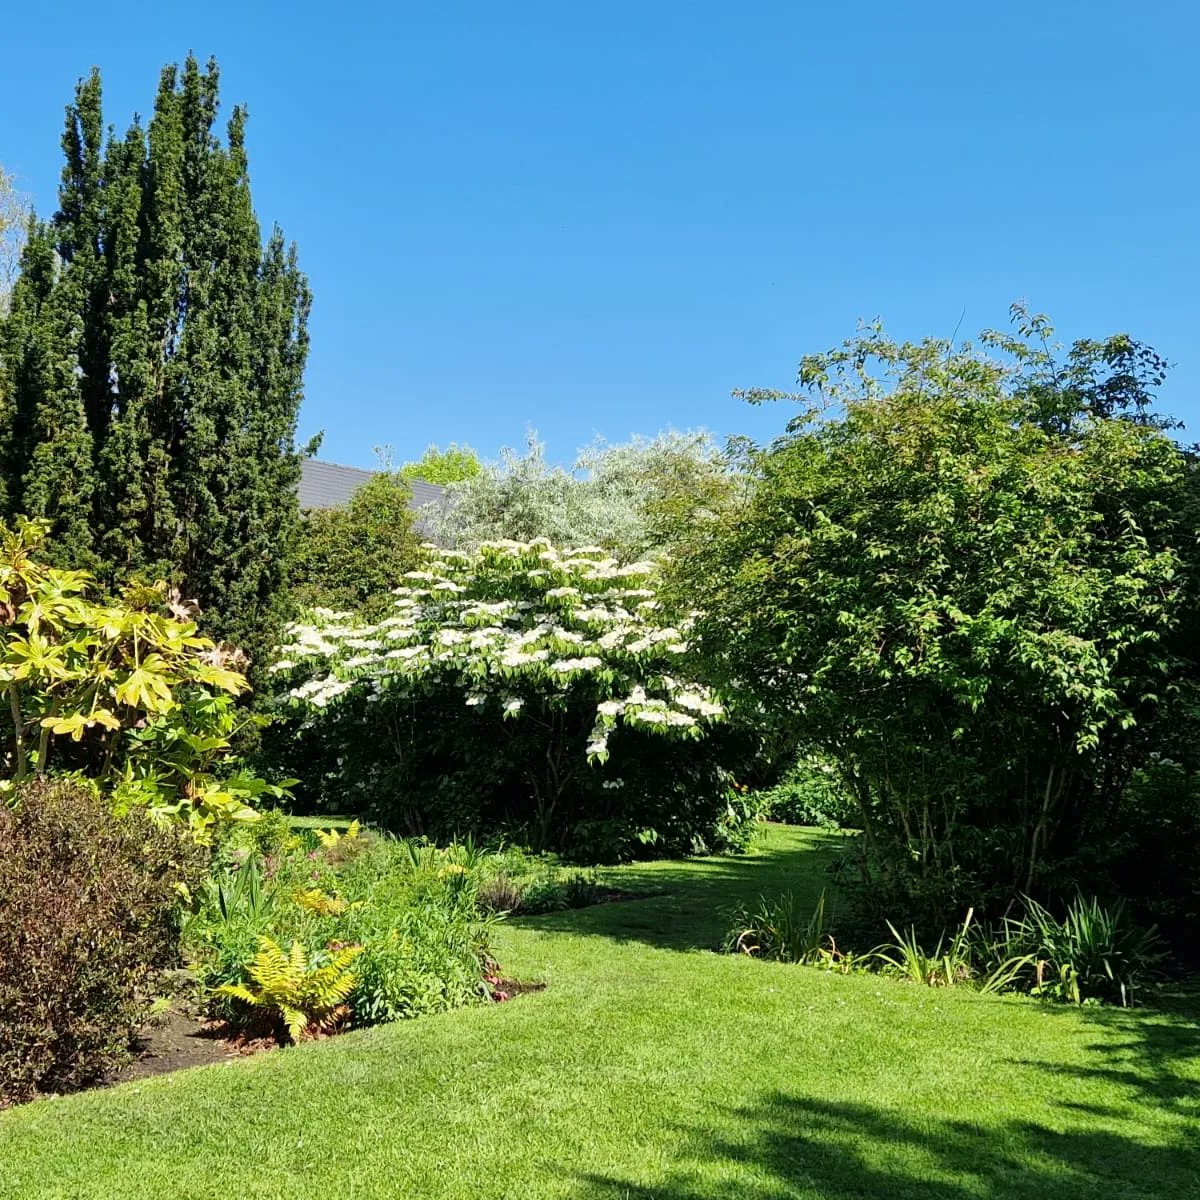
(330, 485)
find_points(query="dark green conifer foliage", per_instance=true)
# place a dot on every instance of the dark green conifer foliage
(151, 365)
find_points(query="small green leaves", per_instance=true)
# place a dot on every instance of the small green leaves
(965, 583)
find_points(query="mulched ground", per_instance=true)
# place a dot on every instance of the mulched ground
(177, 1040)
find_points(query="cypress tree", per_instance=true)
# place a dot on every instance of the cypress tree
(151, 364)
(45, 447)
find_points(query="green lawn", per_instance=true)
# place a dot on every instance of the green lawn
(651, 1067)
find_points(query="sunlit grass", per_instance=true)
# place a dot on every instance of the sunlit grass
(652, 1067)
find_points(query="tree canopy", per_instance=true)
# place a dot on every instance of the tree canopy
(151, 363)
(14, 220)
(351, 558)
(628, 498)
(452, 465)
(962, 579)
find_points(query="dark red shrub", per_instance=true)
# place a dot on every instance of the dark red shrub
(88, 914)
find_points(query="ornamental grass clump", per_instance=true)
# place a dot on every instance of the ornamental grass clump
(515, 687)
(1091, 955)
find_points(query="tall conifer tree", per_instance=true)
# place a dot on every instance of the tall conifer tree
(151, 365)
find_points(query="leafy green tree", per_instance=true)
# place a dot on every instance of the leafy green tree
(151, 363)
(452, 465)
(349, 558)
(962, 580)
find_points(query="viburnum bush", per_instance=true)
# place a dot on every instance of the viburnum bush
(516, 687)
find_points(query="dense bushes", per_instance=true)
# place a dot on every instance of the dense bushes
(349, 557)
(1150, 854)
(316, 929)
(810, 793)
(967, 590)
(88, 906)
(515, 688)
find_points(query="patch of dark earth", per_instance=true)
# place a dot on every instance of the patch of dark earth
(176, 1041)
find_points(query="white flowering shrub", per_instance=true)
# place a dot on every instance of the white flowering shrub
(517, 687)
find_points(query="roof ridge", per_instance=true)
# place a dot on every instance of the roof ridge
(326, 484)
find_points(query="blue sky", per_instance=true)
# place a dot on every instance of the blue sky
(600, 219)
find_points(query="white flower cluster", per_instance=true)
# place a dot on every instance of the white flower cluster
(513, 624)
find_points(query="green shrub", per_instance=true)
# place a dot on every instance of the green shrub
(270, 835)
(350, 557)
(426, 955)
(576, 889)
(967, 574)
(1151, 854)
(502, 893)
(236, 909)
(810, 793)
(630, 498)
(88, 913)
(548, 889)
(411, 908)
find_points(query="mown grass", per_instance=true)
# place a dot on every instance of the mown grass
(320, 822)
(651, 1067)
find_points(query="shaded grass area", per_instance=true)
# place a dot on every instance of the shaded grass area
(320, 822)
(691, 902)
(653, 1068)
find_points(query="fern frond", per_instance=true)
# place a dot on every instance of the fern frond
(297, 965)
(291, 986)
(238, 992)
(296, 1020)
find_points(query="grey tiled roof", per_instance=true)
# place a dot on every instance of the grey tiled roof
(330, 485)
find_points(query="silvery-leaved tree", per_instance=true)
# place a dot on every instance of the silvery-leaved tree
(632, 498)
(548, 679)
(14, 221)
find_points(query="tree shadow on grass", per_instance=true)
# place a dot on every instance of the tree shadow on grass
(1150, 1055)
(689, 904)
(846, 1151)
(1141, 1142)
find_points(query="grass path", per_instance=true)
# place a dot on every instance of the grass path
(651, 1067)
